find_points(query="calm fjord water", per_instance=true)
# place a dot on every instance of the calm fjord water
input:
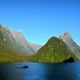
(38, 71)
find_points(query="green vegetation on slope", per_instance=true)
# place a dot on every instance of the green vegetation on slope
(11, 51)
(54, 51)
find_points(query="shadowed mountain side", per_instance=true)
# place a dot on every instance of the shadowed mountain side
(69, 60)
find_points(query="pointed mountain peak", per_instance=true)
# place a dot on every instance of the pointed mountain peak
(53, 38)
(66, 36)
(67, 39)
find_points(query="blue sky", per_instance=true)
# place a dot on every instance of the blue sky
(39, 20)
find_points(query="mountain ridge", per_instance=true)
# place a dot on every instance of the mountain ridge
(67, 39)
(14, 47)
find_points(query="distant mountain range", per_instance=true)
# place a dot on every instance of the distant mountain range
(35, 47)
(15, 48)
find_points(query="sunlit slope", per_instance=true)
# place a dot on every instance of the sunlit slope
(53, 51)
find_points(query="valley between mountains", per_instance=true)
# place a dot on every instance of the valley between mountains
(15, 48)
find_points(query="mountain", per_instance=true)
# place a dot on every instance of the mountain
(13, 46)
(15, 40)
(67, 39)
(53, 51)
(36, 47)
(19, 38)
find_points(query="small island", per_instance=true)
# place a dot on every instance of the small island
(25, 67)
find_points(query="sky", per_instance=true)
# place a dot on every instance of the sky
(39, 20)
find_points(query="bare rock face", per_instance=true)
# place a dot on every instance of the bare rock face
(67, 39)
(19, 38)
(14, 41)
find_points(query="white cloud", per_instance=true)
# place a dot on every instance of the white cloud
(20, 30)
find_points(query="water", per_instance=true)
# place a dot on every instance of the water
(38, 71)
